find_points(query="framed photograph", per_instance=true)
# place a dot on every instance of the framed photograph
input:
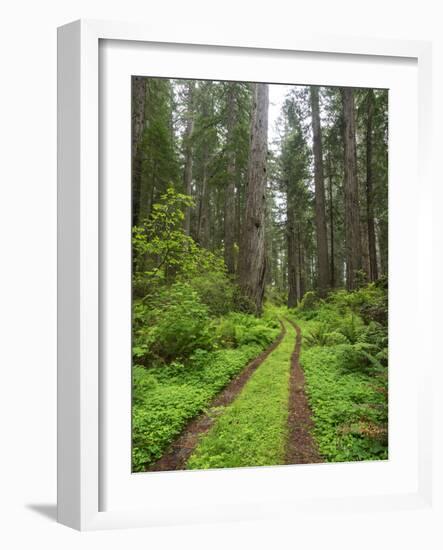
(235, 301)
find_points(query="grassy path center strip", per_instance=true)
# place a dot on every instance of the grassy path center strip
(252, 431)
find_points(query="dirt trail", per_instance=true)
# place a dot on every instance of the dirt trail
(301, 447)
(181, 449)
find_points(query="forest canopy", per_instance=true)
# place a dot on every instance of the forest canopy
(292, 204)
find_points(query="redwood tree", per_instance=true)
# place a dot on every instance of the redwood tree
(187, 175)
(352, 215)
(252, 255)
(139, 84)
(229, 218)
(373, 269)
(320, 214)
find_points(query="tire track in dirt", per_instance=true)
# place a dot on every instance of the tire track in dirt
(301, 447)
(180, 450)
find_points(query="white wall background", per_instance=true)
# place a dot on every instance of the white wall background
(28, 267)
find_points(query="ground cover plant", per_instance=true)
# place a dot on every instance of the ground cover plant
(344, 357)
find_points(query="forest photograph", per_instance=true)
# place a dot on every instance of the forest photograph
(259, 274)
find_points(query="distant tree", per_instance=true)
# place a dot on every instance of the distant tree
(139, 86)
(352, 215)
(229, 213)
(187, 142)
(320, 212)
(295, 162)
(373, 268)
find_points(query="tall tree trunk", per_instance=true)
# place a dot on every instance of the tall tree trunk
(138, 123)
(293, 252)
(229, 218)
(352, 214)
(301, 279)
(252, 257)
(203, 216)
(383, 245)
(202, 222)
(320, 212)
(239, 196)
(331, 224)
(373, 268)
(187, 176)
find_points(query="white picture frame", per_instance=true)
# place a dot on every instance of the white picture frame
(82, 468)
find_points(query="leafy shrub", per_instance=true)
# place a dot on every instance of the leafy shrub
(243, 303)
(317, 335)
(335, 338)
(276, 296)
(238, 329)
(226, 332)
(351, 326)
(358, 301)
(357, 358)
(216, 291)
(142, 383)
(163, 251)
(309, 301)
(375, 334)
(175, 324)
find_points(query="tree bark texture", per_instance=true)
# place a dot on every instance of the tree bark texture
(352, 214)
(331, 225)
(203, 217)
(138, 119)
(373, 268)
(187, 176)
(252, 257)
(320, 211)
(229, 214)
(293, 253)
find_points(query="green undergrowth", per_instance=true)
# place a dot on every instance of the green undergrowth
(344, 357)
(252, 430)
(166, 395)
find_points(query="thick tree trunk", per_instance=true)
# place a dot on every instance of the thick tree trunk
(352, 214)
(252, 257)
(320, 211)
(138, 122)
(373, 268)
(187, 176)
(229, 218)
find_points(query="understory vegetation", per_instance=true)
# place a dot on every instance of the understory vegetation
(344, 357)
